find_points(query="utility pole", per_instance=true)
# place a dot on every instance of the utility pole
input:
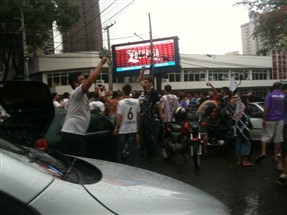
(158, 79)
(25, 53)
(109, 60)
(151, 49)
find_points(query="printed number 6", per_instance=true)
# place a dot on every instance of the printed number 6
(130, 114)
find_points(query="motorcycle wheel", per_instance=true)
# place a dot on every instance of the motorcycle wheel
(166, 152)
(196, 156)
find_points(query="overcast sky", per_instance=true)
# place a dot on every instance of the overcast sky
(203, 26)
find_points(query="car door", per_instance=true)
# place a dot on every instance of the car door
(101, 142)
(255, 113)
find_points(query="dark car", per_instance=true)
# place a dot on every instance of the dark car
(34, 121)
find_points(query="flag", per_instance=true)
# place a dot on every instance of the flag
(232, 85)
(239, 110)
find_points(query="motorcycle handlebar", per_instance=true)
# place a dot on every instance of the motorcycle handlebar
(193, 116)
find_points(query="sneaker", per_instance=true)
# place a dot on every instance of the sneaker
(279, 167)
(281, 181)
(164, 153)
(125, 152)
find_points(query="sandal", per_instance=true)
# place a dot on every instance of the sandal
(248, 164)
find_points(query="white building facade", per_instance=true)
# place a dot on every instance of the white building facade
(252, 73)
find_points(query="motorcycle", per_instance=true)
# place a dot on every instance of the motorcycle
(183, 136)
(219, 132)
(219, 136)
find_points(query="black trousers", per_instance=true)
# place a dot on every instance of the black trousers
(73, 144)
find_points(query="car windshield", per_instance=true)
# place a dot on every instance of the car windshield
(261, 104)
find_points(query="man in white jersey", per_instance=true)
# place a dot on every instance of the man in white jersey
(94, 102)
(168, 104)
(127, 125)
(78, 112)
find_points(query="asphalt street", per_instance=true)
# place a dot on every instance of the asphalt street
(244, 190)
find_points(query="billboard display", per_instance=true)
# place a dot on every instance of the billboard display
(129, 58)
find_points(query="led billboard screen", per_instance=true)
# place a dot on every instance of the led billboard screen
(129, 58)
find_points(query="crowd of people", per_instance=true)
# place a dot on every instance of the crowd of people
(139, 117)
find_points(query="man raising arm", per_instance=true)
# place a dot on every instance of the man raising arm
(78, 112)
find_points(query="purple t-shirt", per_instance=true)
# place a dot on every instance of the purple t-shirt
(274, 101)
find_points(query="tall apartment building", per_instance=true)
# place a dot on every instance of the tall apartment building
(86, 35)
(250, 45)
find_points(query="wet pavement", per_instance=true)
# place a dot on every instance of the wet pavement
(244, 190)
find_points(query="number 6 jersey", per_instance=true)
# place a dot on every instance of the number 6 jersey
(128, 108)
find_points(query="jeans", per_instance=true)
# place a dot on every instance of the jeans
(149, 129)
(130, 139)
(242, 146)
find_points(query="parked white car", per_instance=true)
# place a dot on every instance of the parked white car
(255, 112)
(34, 182)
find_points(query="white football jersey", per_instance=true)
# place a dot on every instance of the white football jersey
(128, 108)
(169, 103)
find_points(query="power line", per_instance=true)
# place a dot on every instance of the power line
(13, 28)
(72, 35)
(92, 20)
(119, 11)
(98, 26)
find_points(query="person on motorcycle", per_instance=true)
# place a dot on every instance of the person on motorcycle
(212, 109)
(225, 93)
(168, 104)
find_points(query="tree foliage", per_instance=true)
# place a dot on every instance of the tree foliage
(38, 18)
(271, 16)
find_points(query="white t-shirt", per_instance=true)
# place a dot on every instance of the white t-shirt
(129, 109)
(64, 103)
(95, 104)
(3, 114)
(78, 113)
(169, 103)
(56, 104)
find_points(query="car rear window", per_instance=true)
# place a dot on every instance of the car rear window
(57, 164)
(34, 158)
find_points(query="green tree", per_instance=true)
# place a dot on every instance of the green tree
(272, 23)
(38, 17)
